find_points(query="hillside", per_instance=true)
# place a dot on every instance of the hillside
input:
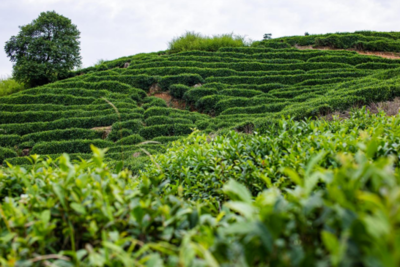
(259, 173)
(243, 88)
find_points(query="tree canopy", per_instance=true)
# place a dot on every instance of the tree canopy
(44, 50)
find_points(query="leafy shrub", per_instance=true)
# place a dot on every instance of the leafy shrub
(118, 134)
(9, 140)
(166, 139)
(9, 86)
(178, 90)
(58, 135)
(196, 41)
(74, 146)
(154, 102)
(90, 122)
(130, 140)
(6, 153)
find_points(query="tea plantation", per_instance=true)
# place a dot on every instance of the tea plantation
(242, 88)
(234, 168)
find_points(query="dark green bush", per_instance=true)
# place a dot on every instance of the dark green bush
(207, 103)
(118, 134)
(55, 107)
(6, 153)
(47, 98)
(74, 146)
(156, 120)
(194, 94)
(178, 129)
(57, 135)
(43, 116)
(9, 140)
(166, 139)
(186, 79)
(99, 121)
(154, 102)
(178, 90)
(240, 92)
(130, 140)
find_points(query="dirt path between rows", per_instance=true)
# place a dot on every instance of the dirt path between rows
(389, 55)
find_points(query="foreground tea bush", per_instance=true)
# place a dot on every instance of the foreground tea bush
(306, 194)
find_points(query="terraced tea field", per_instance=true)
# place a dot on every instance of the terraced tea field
(234, 88)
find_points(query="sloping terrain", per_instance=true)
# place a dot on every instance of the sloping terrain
(233, 88)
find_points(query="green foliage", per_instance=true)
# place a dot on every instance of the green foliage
(44, 50)
(130, 140)
(307, 193)
(58, 135)
(154, 102)
(6, 153)
(9, 86)
(70, 146)
(178, 90)
(196, 41)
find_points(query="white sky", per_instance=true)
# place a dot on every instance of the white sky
(116, 28)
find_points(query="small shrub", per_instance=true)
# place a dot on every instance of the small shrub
(6, 153)
(9, 86)
(196, 41)
(130, 140)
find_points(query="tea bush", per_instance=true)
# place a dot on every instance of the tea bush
(197, 41)
(305, 193)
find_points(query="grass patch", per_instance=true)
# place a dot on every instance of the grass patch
(196, 41)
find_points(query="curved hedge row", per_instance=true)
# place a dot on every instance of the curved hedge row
(99, 121)
(285, 79)
(158, 120)
(74, 146)
(58, 135)
(37, 116)
(55, 107)
(178, 129)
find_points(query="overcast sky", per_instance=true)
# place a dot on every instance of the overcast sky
(115, 28)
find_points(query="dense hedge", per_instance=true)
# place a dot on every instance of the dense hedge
(112, 86)
(74, 146)
(157, 120)
(161, 111)
(242, 102)
(274, 107)
(57, 135)
(47, 98)
(207, 104)
(140, 81)
(192, 95)
(153, 102)
(375, 65)
(55, 107)
(378, 46)
(249, 66)
(176, 129)
(42, 116)
(167, 139)
(178, 90)
(284, 79)
(9, 140)
(353, 60)
(345, 41)
(99, 121)
(208, 72)
(240, 92)
(130, 140)
(186, 79)
(6, 153)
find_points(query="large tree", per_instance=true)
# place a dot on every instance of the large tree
(44, 50)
